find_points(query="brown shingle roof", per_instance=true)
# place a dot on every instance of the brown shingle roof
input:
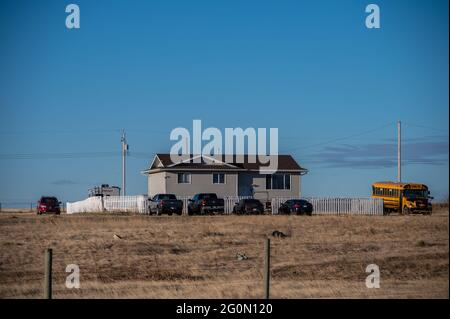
(285, 163)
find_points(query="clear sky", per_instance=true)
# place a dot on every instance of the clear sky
(310, 68)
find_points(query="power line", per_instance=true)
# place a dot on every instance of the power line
(79, 155)
(146, 155)
(340, 138)
(141, 155)
(81, 131)
(426, 127)
(57, 131)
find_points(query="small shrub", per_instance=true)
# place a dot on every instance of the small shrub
(421, 243)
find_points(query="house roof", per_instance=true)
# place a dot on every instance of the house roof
(164, 162)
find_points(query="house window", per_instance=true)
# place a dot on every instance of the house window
(287, 181)
(278, 181)
(184, 178)
(218, 178)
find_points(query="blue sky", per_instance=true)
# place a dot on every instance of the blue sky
(310, 68)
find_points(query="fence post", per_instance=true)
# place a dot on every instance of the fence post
(266, 267)
(48, 274)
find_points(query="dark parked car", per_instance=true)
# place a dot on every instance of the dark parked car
(205, 203)
(248, 206)
(48, 204)
(165, 204)
(296, 206)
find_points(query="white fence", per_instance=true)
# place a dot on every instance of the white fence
(134, 204)
(139, 204)
(185, 200)
(339, 206)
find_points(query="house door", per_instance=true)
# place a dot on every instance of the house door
(245, 187)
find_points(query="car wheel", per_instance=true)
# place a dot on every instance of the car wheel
(158, 211)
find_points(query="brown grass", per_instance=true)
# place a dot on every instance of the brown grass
(195, 257)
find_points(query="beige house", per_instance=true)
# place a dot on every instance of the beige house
(212, 175)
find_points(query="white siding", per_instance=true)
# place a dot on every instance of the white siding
(156, 184)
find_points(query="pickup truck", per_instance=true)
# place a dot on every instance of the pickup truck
(48, 204)
(165, 203)
(205, 203)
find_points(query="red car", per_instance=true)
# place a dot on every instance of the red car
(48, 204)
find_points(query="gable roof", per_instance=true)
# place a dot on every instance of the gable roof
(285, 163)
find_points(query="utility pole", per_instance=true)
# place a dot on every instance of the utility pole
(124, 154)
(399, 152)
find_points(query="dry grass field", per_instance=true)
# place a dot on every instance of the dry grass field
(195, 257)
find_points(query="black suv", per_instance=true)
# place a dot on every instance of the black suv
(296, 206)
(248, 206)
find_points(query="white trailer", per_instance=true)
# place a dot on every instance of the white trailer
(104, 190)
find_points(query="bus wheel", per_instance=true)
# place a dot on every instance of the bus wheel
(406, 210)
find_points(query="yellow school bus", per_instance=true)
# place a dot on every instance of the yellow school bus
(405, 198)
